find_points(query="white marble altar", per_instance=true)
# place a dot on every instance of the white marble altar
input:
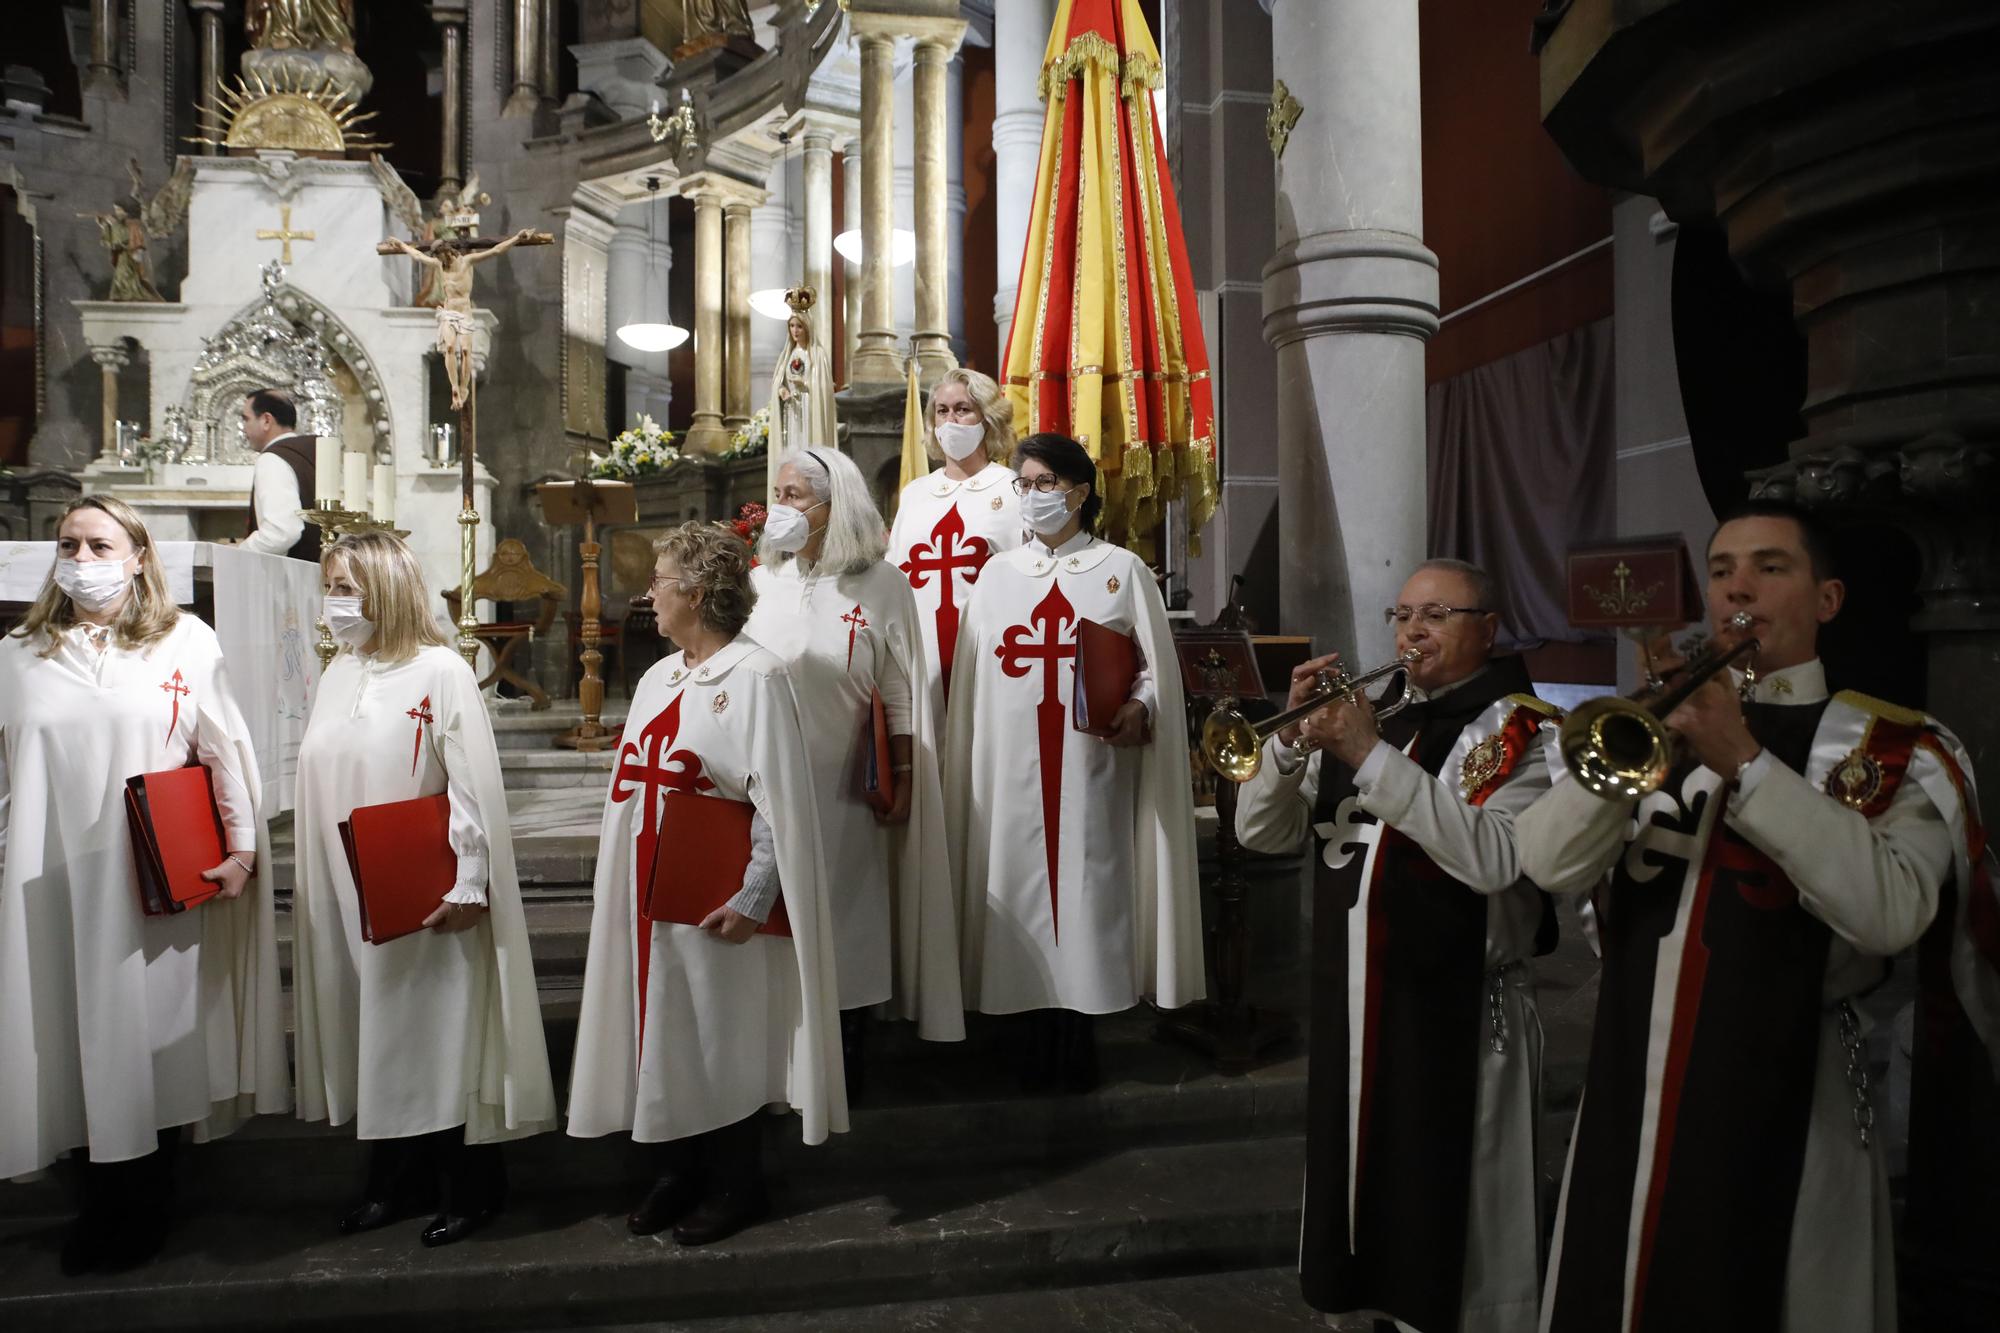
(323, 220)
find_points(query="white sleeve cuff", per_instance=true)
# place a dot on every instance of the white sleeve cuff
(467, 895)
(1749, 776)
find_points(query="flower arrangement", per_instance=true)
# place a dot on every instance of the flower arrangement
(753, 438)
(644, 450)
(749, 523)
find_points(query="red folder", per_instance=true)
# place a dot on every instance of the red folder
(698, 864)
(401, 858)
(179, 804)
(1107, 662)
(878, 779)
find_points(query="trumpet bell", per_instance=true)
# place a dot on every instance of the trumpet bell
(1616, 747)
(1231, 745)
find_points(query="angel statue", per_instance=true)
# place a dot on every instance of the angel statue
(801, 387)
(311, 25)
(126, 234)
(453, 258)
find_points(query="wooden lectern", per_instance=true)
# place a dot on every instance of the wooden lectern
(589, 503)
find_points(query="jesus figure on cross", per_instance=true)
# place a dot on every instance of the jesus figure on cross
(453, 259)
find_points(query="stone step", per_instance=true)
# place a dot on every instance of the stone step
(564, 1257)
(1251, 1300)
(928, 1105)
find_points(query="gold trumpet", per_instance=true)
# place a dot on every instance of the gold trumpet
(1619, 745)
(1234, 746)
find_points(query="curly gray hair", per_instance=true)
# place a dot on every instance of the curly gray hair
(714, 562)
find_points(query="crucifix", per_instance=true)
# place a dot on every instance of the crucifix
(284, 233)
(453, 257)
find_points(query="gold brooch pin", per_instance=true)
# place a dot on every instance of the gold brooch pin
(1855, 781)
(1482, 765)
(675, 678)
(1075, 562)
(721, 701)
(997, 502)
(1111, 584)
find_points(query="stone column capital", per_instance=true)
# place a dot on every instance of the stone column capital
(445, 13)
(876, 27)
(111, 356)
(206, 6)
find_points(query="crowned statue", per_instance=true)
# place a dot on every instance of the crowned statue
(801, 386)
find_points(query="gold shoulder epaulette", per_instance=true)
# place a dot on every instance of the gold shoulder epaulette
(1530, 702)
(1882, 708)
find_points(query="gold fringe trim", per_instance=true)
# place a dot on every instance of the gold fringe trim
(1137, 74)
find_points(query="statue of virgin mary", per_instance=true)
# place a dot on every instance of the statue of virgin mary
(801, 388)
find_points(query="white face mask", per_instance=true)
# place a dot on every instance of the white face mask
(1045, 512)
(93, 584)
(345, 622)
(786, 528)
(959, 441)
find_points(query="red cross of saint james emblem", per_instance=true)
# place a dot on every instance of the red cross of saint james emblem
(421, 714)
(175, 687)
(948, 551)
(1017, 654)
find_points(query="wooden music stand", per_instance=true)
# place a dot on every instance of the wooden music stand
(589, 503)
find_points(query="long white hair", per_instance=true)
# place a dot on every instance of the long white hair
(856, 537)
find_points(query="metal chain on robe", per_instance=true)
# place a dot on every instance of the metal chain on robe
(1496, 995)
(1857, 1070)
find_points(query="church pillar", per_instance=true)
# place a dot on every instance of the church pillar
(736, 315)
(1349, 299)
(850, 220)
(706, 435)
(875, 360)
(208, 15)
(449, 15)
(526, 97)
(817, 170)
(954, 203)
(1020, 36)
(102, 76)
(111, 359)
(772, 266)
(640, 264)
(935, 48)
(550, 75)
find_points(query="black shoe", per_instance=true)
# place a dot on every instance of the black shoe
(722, 1214)
(136, 1240)
(447, 1228)
(83, 1244)
(370, 1216)
(1078, 1053)
(853, 1052)
(672, 1198)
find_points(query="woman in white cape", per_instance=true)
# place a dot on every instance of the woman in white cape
(688, 1032)
(116, 1029)
(430, 1043)
(950, 522)
(1077, 869)
(843, 622)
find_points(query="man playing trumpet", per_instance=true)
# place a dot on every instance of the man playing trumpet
(1420, 1202)
(1723, 1174)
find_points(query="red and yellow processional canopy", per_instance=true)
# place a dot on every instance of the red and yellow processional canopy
(1106, 345)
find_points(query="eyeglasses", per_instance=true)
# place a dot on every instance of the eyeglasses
(659, 580)
(1045, 483)
(1434, 614)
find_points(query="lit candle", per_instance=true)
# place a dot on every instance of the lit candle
(384, 508)
(354, 482)
(326, 468)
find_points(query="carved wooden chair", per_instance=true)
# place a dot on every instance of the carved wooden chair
(510, 580)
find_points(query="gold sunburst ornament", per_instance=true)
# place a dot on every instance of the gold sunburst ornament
(311, 117)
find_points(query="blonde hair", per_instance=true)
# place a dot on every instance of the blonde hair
(149, 614)
(382, 565)
(994, 409)
(714, 562)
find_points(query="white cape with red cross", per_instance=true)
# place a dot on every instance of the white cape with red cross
(436, 1029)
(1077, 868)
(681, 1031)
(114, 1025)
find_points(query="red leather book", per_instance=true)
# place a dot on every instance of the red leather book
(401, 858)
(1107, 662)
(878, 779)
(698, 865)
(176, 834)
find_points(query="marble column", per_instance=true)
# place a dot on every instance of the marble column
(1020, 36)
(817, 178)
(736, 315)
(550, 76)
(850, 220)
(706, 434)
(955, 202)
(773, 264)
(102, 75)
(111, 360)
(208, 18)
(526, 96)
(933, 323)
(450, 18)
(875, 353)
(1349, 299)
(639, 266)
